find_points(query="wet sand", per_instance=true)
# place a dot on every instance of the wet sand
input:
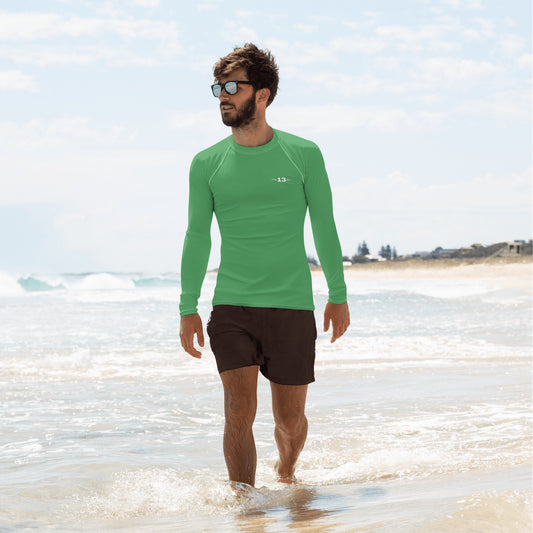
(501, 273)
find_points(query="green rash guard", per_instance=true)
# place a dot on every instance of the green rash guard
(260, 197)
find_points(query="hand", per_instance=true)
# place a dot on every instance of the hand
(189, 325)
(339, 316)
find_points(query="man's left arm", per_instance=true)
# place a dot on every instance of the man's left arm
(319, 200)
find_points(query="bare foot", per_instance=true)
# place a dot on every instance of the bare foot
(242, 491)
(284, 478)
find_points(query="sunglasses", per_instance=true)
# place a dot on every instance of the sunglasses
(231, 87)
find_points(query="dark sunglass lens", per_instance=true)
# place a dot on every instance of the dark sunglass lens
(217, 89)
(231, 87)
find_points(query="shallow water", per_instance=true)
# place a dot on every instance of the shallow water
(420, 418)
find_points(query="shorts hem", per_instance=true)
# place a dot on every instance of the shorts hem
(237, 366)
(281, 381)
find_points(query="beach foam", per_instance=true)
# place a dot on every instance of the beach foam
(9, 285)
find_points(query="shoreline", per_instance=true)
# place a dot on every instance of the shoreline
(502, 272)
(400, 264)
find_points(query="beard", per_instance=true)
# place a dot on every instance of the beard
(242, 116)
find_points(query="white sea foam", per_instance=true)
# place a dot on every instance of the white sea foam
(164, 491)
(104, 281)
(83, 363)
(395, 462)
(9, 285)
(411, 350)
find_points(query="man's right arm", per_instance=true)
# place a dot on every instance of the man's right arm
(196, 249)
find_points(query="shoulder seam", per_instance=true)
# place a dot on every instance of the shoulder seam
(220, 164)
(291, 160)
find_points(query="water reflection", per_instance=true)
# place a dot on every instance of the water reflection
(297, 508)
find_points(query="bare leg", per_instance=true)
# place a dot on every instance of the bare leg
(240, 405)
(288, 406)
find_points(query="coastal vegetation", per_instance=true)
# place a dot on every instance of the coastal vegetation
(517, 248)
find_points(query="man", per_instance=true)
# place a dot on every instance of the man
(259, 182)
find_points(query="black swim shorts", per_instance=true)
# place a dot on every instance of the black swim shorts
(280, 341)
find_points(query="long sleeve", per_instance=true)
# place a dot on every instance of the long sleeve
(319, 200)
(197, 245)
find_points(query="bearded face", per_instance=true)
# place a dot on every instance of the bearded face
(240, 116)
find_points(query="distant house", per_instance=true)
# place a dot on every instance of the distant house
(513, 248)
(374, 258)
(438, 252)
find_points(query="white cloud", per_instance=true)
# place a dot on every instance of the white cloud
(333, 117)
(414, 215)
(358, 43)
(90, 177)
(44, 56)
(202, 128)
(509, 22)
(409, 35)
(15, 80)
(95, 39)
(36, 26)
(306, 28)
(237, 33)
(441, 36)
(60, 133)
(146, 3)
(446, 35)
(244, 14)
(310, 53)
(191, 119)
(524, 61)
(465, 4)
(317, 119)
(125, 208)
(513, 105)
(291, 54)
(449, 71)
(398, 191)
(322, 18)
(28, 26)
(482, 31)
(206, 6)
(512, 44)
(364, 84)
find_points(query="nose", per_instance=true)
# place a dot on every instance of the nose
(224, 97)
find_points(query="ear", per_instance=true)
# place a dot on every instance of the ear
(262, 95)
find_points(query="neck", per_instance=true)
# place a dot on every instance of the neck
(257, 133)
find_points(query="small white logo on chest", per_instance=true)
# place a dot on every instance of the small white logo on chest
(282, 179)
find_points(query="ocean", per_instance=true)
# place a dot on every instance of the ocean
(419, 419)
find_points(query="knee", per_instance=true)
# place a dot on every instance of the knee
(240, 411)
(291, 423)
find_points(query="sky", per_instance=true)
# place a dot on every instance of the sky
(422, 110)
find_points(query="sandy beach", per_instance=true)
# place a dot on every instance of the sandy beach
(504, 273)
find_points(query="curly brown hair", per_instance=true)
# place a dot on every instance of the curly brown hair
(260, 67)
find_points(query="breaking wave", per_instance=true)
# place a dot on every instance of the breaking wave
(14, 285)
